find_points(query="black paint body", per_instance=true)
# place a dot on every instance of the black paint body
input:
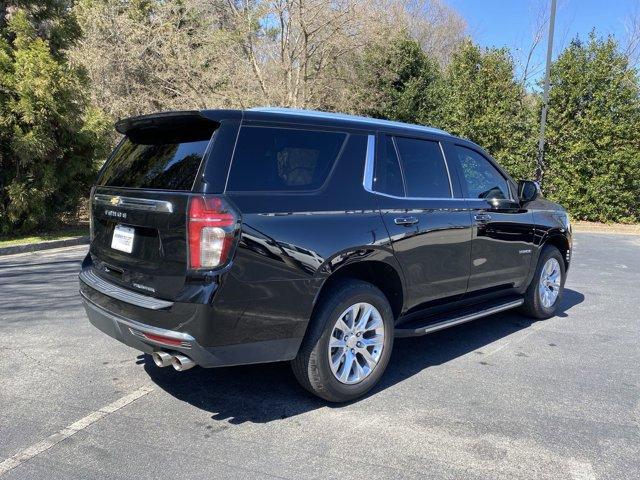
(291, 245)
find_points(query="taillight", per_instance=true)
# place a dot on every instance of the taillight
(211, 228)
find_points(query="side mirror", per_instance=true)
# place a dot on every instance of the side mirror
(528, 191)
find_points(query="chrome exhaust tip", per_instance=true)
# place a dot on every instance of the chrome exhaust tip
(161, 359)
(182, 362)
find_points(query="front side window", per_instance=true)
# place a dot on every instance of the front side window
(425, 173)
(480, 179)
(283, 159)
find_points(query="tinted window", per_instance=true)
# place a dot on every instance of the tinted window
(387, 174)
(282, 159)
(156, 161)
(425, 173)
(480, 178)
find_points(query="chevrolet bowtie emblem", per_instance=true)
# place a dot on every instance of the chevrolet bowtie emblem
(115, 200)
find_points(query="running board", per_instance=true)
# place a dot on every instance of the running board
(456, 320)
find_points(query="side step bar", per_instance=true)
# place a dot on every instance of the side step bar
(457, 320)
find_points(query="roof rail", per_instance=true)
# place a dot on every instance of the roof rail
(343, 116)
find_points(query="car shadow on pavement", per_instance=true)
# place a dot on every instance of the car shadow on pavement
(263, 393)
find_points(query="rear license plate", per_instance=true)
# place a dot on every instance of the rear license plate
(123, 238)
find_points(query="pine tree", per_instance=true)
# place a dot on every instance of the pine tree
(400, 82)
(593, 133)
(49, 137)
(483, 102)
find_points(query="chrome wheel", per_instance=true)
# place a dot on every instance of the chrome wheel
(549, 286)
(356, 343)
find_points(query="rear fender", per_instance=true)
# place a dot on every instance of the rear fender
(377, 266)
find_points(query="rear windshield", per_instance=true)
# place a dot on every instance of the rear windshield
(283, 159)
(158, 161)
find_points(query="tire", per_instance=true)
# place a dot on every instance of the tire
(534, 302)
(312, 366)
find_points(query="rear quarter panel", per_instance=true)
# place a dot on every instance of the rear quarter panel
(291, 243)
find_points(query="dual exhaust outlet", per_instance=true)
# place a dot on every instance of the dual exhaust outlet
(178, 361)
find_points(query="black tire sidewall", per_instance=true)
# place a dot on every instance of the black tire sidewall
(538, 309)
(355, 292)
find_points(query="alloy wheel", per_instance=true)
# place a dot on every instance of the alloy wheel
(549, 286)
(356, 343)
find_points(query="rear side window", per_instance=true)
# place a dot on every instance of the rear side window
(418, 172)
(425, 173)
(158, 160)
(387, 173)
(480, 178)
(283, 159)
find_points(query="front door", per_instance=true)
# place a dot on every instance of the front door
(430, 230)
(503, 232)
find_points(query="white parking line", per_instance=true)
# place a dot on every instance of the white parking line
(39, 447)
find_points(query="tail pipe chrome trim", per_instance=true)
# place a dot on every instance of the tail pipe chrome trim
(161, 359)
(182, 362)
(178, 361)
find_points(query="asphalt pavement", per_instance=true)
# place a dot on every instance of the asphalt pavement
(502, 397)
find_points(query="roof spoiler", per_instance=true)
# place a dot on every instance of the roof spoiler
(185, 118)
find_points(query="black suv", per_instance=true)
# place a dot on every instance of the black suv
(227, 237)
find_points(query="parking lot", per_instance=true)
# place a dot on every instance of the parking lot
(503, 397)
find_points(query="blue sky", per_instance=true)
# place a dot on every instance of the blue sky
(510, 23)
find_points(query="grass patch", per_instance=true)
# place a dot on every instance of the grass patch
(61, 234)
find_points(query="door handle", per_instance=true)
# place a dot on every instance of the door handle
(482, 217)
(405, 221)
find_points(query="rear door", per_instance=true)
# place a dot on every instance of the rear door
(430, 229)
(139, 206)
(502, 230)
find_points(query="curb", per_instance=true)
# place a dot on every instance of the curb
(33, 247)
(576, 229)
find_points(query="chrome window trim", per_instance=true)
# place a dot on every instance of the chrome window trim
(369, 163)
(367, 181)
(445, 199)
(133, 203)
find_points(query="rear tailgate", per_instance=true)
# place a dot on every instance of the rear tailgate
(157, 263)
(139, 205)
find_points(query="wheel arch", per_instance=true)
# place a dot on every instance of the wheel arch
(382, 275)
(561, 242)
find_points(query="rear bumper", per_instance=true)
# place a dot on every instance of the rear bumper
(148, 338)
